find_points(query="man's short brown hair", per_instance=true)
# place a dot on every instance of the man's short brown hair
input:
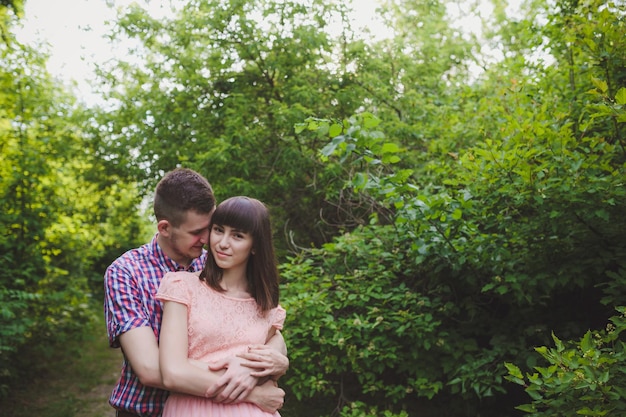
(180, 191)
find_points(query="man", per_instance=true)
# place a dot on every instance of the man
(183, 204)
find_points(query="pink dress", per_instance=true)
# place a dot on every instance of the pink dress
(218, 326)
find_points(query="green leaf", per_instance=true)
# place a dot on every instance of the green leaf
(391, 159)
(299, 127)
(329, 149)
(559, 344)
(335, 130)
(586, 343)
(514, 370)
(390, 147)
(620, 97)
(370, 121)
(600, 84)
(360, 180)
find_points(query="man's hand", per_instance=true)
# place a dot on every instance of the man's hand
(268, 397)
(265, 361)
(235, 384)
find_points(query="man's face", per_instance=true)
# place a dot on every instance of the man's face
(187, 240)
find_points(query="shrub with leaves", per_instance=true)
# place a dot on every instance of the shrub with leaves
(585, 377)
(421, 304)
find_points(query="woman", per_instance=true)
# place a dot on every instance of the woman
(229, 309)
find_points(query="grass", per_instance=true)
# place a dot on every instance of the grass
(76, 381)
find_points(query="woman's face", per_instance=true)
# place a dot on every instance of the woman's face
(230, 247)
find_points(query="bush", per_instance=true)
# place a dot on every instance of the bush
(585, 377)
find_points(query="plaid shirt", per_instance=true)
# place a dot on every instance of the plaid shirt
(131, 283)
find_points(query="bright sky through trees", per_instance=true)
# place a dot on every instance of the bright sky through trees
(75, 29)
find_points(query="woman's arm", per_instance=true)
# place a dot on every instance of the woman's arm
(177, 372)
(183, 375)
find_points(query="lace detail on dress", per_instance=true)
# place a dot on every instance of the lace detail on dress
(218, 326)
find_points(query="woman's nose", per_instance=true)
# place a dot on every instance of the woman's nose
(224, 241)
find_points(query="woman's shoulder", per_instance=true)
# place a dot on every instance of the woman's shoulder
(183, 274)
(182, 277)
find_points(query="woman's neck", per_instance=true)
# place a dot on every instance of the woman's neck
(235, 283)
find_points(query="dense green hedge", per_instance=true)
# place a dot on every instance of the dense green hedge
(524, 238)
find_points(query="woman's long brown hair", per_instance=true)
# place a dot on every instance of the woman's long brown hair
(251, 216)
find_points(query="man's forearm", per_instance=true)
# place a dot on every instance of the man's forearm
(278, 342)
(267, 397)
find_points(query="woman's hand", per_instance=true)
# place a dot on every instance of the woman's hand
(264, 361)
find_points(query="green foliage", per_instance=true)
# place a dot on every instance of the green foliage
(219, 89)
(359, 409)
(54, 218)
(465, 274)
(30, 157)
(570, 188)
(585, 377)
(369, 306)
(359, 322)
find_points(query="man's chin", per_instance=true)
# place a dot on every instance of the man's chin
(196, 252)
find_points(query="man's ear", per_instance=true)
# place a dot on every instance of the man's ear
(164, 227)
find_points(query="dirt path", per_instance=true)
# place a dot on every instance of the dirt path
(76, 382)
(95, 401)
